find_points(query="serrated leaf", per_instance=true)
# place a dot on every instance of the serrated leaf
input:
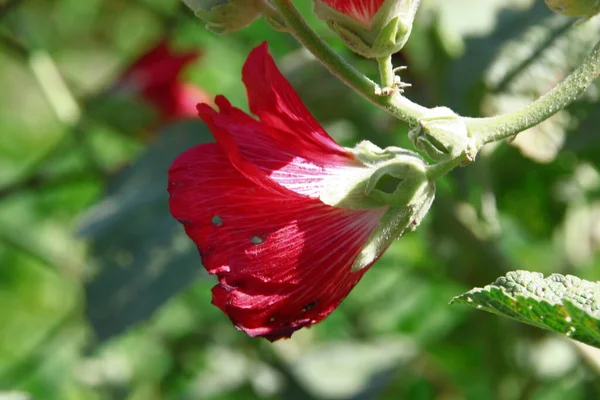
(564, 304)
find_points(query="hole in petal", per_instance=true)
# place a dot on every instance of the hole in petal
(257, 240)
(388, 184)
(309, 306)
(217, 220)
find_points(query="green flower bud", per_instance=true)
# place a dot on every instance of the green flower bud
(574, 8)
(370, 28)
(224, 16)
(394, 178)
(442, 135)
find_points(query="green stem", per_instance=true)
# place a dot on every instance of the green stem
(486, 130)
(386, 71)
(436, 171)
(270, 12)
(397, 105)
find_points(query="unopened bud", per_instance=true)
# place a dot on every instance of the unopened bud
(370, 28)
(224, 16)
(442, 135)
(574, 8)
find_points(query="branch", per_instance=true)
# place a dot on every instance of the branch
(397, 105)
(486, 130)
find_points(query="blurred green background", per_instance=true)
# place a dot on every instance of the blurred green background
(102, 296)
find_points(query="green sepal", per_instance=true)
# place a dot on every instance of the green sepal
(353, 41)
(392, 37)
(394, 179)
(395, 223)
(382, 177)
(442, 135)
(574, 8)
(225, 16)
(387, 34)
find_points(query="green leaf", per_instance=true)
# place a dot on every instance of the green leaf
(142, 255)
(563, 304)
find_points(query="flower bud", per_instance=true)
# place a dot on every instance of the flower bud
(442, 135)
(224, 16)
(371, 28)
(574, 8)
(392, 177)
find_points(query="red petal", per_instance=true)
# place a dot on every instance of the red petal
(264, 160)
(159, 66)
(275, 102)
(361, 10)
(155, 75)
(231, 125)
(287, 146)
(283, 260)
(187, 98)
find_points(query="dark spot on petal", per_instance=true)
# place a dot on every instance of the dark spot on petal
(309, 306)
(285, 331)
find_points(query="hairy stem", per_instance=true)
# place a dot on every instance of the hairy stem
(486, 130)
(386, 71)
(397, 105)
(483, 130)
(436, 171)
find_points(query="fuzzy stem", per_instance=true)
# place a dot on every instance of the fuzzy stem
(483, 130)
(397, 105)
(436, 171)
(486, 130)
(269, 11)
(386, 71)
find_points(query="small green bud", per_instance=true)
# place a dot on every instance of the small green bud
(574, 8)
(373, 31)
(393, 178)
(224, 16)
(443, 135)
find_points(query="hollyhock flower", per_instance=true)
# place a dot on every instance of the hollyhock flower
(287, 219)
(155, 77)
(371, 28)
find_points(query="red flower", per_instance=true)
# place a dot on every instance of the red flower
(251, 202)
(155, 75)
(361, 10)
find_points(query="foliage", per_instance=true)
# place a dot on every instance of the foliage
(101, 299)
(564, 304)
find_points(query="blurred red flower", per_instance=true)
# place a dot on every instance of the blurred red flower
(360, 10)
(251, 204)
(155, 76)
